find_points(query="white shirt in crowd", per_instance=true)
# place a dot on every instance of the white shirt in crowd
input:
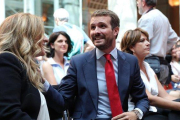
(161, 35)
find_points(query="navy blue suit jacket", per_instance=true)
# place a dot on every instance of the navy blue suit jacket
(19, 99)
(79, 88)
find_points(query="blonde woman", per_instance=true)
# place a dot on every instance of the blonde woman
(21, 40)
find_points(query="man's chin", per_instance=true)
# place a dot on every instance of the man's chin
(100, 47)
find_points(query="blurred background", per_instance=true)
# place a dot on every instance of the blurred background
(80, 11)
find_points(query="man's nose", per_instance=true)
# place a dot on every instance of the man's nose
(97, 31)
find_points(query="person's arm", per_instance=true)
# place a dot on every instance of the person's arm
(48, 73)
(11, 88)
(163, 100)
(172, 38)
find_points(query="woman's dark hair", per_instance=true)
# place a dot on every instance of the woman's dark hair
(53, 38)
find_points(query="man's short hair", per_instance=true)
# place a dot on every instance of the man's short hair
(103, 12)
(61, 14)
(152, 3)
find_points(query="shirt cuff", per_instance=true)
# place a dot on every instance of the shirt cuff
(141, 113)
(46, 86)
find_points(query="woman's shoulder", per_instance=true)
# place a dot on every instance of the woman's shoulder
(8, 57)
(46, 64)
(148, 68)
(51, 61)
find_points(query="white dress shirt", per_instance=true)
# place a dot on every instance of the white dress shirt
(104, 110)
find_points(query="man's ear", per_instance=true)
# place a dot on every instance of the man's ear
(116, 31)
(143, 3)
(132, 49)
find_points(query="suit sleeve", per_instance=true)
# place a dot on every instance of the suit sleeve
(63, 98)
(10, 88)
(138, 92)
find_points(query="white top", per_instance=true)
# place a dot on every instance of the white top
(162, 36)
(43, 113)
(175, 66)
(59, 72)
(151, 86)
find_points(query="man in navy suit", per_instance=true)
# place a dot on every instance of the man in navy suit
(83, 90)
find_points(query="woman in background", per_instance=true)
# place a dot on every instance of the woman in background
(57, 64)
(175, 67)
(21, 41)
(162, 106)
(55, 68)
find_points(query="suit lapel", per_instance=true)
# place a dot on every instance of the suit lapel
(91, 76)
(123, 76)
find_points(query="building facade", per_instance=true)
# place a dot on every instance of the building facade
(81, 10)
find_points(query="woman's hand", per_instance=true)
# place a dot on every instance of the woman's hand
(175, 78)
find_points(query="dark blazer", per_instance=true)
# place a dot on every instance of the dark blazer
(80, 85)
(19, 99)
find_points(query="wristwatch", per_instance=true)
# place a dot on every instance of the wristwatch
(137, 113)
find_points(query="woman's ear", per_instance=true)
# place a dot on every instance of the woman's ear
(52, 45)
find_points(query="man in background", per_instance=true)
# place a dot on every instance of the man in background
(161, 35)
(77, 35)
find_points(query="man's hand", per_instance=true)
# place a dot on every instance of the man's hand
(126, 116)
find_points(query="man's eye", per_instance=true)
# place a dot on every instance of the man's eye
(102, 26)
(92, 27)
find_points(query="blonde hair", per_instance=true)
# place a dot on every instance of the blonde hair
(21, 34)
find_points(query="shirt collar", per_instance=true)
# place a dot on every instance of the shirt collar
(100, 53)
(52, 62)
(147, 11)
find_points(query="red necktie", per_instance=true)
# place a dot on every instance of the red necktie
(113, 93)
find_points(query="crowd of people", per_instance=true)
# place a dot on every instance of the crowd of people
(57, 79)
